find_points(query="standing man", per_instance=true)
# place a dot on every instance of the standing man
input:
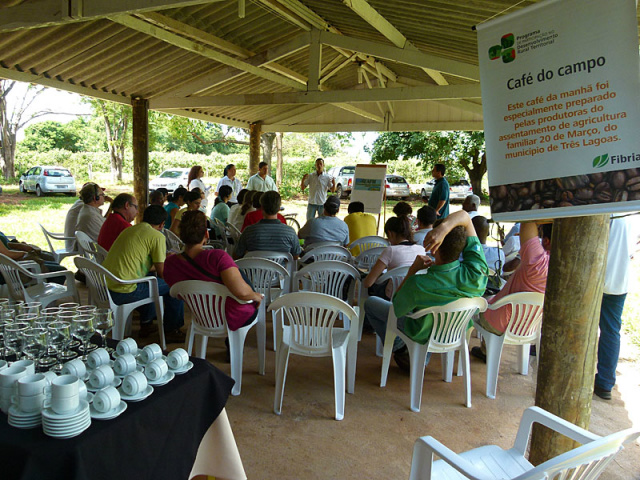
(439, 199)
(124, 210)
(230, 180)
(616, 283)
(318, 182)
(262, 182)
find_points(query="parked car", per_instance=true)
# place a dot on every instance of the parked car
(427, 188)
(397, 186)
(48, 179)
(344, 179)
(457, 190)
(171, 179)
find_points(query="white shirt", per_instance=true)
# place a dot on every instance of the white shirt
(235, 184)
(419, 235)
(493, 256)
(90, 221)
(70, 223)
(266, 184)
(197, 183)
(616, 277)
(318, 186)
(473, 213)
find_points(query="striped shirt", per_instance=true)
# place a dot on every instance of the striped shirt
(268, 234)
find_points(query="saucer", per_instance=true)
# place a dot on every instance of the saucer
(179, 371)
(49, 414)
(162, 380)
(110, 414)
(116, 383)
(136, 398)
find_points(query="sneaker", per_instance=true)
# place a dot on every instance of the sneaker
(176, 336)
(146, 329)
(401, 357)
(602, 393)
(478, 353)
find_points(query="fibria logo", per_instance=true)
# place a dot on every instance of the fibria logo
(601, 160)
(505, 50)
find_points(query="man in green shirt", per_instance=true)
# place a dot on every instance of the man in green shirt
(446, 280)
(439, 199)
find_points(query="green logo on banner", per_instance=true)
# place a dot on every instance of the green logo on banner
(601, 160)
(505, 50)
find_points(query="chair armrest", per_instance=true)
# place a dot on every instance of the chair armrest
(31, 266)
(537, 415)
(60, 236)
(426, 447)
(500, 303)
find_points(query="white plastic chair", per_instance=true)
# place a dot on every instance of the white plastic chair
(37, 289)
(327, 252)
(233, 232)
(89, 248)
(365, 260)
(221, 228)
(450, 324)
(100, 296)
(311, 246)
(60, 253)
(522, 330)
(395, 276)
(282, 258)
(310, 332)
(268, 278)
(174, 244)
(489, 462)
(207, 302)
(367, 243)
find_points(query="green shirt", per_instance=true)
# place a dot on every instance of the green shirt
(440, 192)
(441, 284)
(133, 253)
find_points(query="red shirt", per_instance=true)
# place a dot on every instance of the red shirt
(111, 228)
(254, 217)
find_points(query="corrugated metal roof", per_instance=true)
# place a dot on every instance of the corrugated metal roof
(185, 59)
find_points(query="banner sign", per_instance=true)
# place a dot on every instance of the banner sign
(561, 99)
(368, 186)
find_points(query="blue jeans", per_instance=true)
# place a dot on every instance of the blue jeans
(376, 312)
(313, 209)
(173, 308)
(609, 342)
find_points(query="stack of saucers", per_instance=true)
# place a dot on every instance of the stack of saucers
(20, 419)
(66, 425)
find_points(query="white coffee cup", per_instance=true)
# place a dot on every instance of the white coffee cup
(177, 359)
(28, 364)
(29, 404)
(128, 345)
(65, 394)
(125, 364)
(106, 399)
(150, 353)
(82, 391)
(75, 367)
(156, 369)
(98, 357)
(50, 376)
(3, 365)
(134, 383)
(101, 377)
(11, 375)
(31, 385)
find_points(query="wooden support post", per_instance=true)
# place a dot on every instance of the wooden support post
(570, 328)
(255, 132)
(141, 154)
(279, 159)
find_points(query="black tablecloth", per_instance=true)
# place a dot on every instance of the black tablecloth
(157, 438)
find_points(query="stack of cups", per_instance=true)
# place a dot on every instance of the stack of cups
(31, 393)
(65, 394)
(8, 378)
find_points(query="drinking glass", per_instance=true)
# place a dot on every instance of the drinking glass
(13, 339)
(70, 306)
(59, 339)
(4, 303)
(26, 317)
(83, 329)
(31, 307)
(34, 344)
(86, 309)
(103, 324)
(69, 316)
(4, 322)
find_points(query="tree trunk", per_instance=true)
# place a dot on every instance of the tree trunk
(141, 154)
(570, 328)
(476, 170)
(279, 159)
(7, 139)
(254, 147)
(267, 147)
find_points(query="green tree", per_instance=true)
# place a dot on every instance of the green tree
(50, 135)
(461, 152)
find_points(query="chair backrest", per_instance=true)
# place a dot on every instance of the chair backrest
(311, 317)
(395, 275)
(328, 252)
(366, 259)
(96, 276)
(174, 244)
(48, 236)
(265, 275)
(11, 271)
(312, 246)
(206, 300)
(328, 277)
(88, 247)
(526, 316)
(450, 322)
(234, 232)
(367, 243)
(282, 258)
(586, 462)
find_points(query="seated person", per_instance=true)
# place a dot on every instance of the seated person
(157, 198)
(403, 208)
(90, 218)
(531, 276)
(71, 220)
(446, 280)
(401, 253)
(426, 218)
(493, 255)
(269, 233)
(176, 201)
(124, 210)
(328, 227)
(471, 204)
(236, 209)
(221, 210)
(193, 201)
(131, 257)
(19, 251)
(360, 224)
(255, 216)
(213, 265)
